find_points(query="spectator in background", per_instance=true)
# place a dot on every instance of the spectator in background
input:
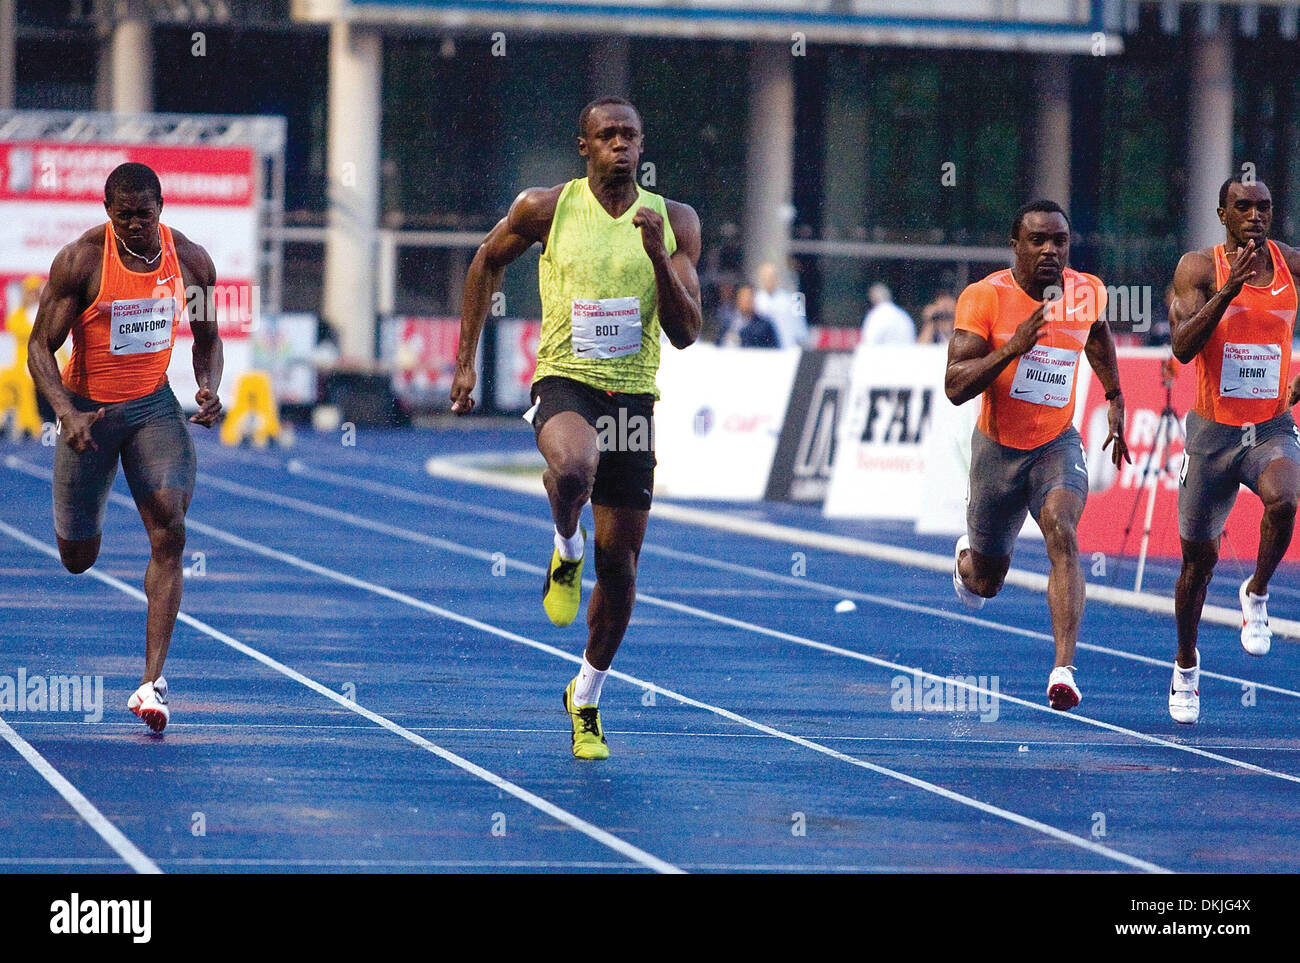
(782, 308)
(886, 322)
(937, 319)
(749, 328)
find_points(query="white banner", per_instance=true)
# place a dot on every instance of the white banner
(946, 480)
(39, 229)
(719, 418)
(880, 461)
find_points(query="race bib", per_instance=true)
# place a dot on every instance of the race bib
(1045, 376)
(1250, 370)
(608, 328)
(143, 326)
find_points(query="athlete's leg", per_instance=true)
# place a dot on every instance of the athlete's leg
(1207, 490)
(983, 574)
(1279, 490)
(164, 519)
(1059, 521)
(996, 505)
(82, 481)
(619, 533)
(78, 555)
(568, 443)
(159, 463)
(1199, 559)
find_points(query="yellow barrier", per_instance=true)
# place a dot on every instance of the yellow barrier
(254, 404)
(18, 396)
(17, 390)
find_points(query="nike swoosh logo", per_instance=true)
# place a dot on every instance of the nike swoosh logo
(1281, 289)
(1076, 308)
(119, 347)
(1021, 391)
(166, 279)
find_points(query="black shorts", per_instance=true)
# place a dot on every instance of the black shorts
(624, 424)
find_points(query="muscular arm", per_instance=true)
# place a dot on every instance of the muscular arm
(1293, 264)
(209, 357)
(1100, 350)
(527, 223)
(1196, 308)
(61, 302)
(676, 283)
(972, 367)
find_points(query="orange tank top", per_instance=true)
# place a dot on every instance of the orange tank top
(1032, 401)
(122, 343)
(1241, 373)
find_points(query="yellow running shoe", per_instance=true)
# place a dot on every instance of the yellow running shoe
(588, 739)
(562, 591)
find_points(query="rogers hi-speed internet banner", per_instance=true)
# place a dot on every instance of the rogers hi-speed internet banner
(51, 192)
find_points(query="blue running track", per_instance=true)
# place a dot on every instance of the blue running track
(364, 680)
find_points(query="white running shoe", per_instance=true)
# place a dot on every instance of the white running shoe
(1185, 692)
(1062, 693)
(149, 702)
(1256, 636)
(968, 598)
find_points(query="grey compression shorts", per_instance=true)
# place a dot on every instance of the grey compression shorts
(1219, 458)
(1007, 483)
(147, 434)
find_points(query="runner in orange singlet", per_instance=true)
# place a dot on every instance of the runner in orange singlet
(120, 290)
(1234, 311)
(1017, 340)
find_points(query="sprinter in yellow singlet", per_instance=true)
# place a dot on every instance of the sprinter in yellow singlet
(617, 267)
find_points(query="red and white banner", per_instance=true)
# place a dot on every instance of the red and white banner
(516, 363)
(1118, 496)
(52, 192)
(422, 355)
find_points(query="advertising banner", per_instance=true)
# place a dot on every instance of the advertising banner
(880, 459)
(805, 452)
(718, 420)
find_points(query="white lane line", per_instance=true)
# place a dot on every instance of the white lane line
(339, 863)
(537, 802)
(804, 583)
(862, 548)
(421, 538)
(403, 598)
(115, 838)
(958, 738)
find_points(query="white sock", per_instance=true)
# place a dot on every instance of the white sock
(570, 548)
(586, 691)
